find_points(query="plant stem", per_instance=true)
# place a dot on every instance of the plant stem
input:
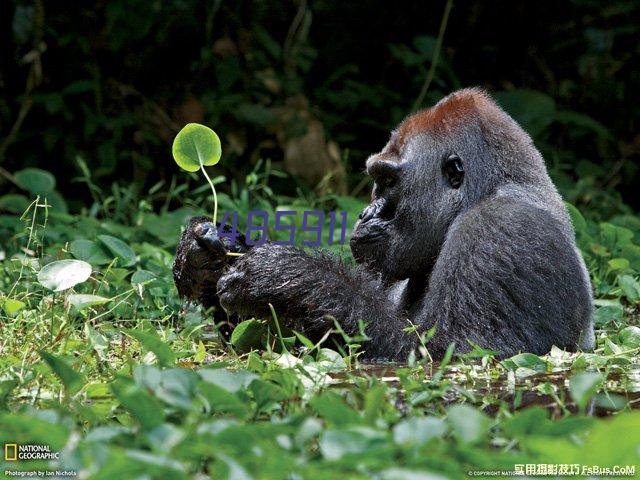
(434, 60)
(215, 206)
(215, 195)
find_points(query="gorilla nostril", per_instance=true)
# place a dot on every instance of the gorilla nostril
(205, 229)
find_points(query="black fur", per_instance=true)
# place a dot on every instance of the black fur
(481, 248)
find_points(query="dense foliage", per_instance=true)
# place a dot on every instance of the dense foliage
(100, 360)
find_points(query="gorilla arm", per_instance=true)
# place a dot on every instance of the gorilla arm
(310, 289)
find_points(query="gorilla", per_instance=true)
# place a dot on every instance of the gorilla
(465, 234)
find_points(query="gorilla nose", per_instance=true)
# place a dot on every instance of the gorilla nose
(207, 237)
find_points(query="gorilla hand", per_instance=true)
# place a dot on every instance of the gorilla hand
(267, 274)
(201, 258)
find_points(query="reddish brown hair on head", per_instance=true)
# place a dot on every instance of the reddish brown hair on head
(451, 112)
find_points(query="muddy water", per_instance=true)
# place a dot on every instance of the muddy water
(547, 390)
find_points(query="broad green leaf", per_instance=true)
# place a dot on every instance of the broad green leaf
(335, 444)
(468, 425)
(618, 264)
(64, 274)
(144, 407)
(29, 429)
(607, 314)
(583, 386)
(526, 360)
(153, 343)
(14, 203)
(231, 381)
(630, 336)
(630, 286)
(578, 221)
(196, 145)
(141, 276)
(174, 386)
(334, 409)
(220, 400)
(90, 252)
(201, 352)
(248, 335)
(120, 249)
(71, 379)
(418, 430)
(12, 306)
(35, 181)
(82, 301)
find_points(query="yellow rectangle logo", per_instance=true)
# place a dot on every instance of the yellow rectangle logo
(11, 452)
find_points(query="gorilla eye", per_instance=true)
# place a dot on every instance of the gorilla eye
(453, 171)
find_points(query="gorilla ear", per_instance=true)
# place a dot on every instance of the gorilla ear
(453, 170)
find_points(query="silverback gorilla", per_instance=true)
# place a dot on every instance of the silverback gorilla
(465, 232)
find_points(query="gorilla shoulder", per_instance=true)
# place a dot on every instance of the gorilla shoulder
(521, 275)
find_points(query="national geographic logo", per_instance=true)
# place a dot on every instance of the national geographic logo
(14, 452)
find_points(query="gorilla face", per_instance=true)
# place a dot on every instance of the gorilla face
(418, 191)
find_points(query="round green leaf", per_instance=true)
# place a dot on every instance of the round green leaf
(64, 274)
(35, 180)
(196, 145)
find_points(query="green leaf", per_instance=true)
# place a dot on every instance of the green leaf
(248, 335)
(90, 252)
(142, 276)
(630, 336)
(71, 379)
(29, 429)
(220, 400)
(583, 386)
(418, 430)
(468, 425)
(14, 203)
(334, 409)
(201, 352)
(231, 381)
(11, 306)
(121, 250)
(526, 360)
(144, 407)
(64, 274)
(355, 441)
(82, 301)
(630, 287)
(578, 221)
(35, 181)
(153, 343)
(618, 264)
(608, 313)
(196, 145)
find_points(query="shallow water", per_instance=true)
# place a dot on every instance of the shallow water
(547, 390)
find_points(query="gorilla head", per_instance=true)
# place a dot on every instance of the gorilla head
(438, 163)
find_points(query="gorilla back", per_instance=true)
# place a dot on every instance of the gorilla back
(465, 232)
